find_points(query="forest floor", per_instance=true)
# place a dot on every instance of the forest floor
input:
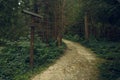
(77, 63)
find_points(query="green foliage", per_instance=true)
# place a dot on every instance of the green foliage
(110, 70)
(14, 61)
(104, 18)
(71, 11)
(110, 52)
(72, 37)
(12, 23)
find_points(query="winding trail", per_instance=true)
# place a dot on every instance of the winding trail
(78, 63)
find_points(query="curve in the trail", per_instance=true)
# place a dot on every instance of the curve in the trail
(78, 63)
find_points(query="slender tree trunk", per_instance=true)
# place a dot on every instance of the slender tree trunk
(86, 27)
(34, 21)
(55, 21)
(61, 20)
(46, 20)
(32, 47)
(59, 13)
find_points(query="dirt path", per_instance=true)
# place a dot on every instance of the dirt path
(78, 63)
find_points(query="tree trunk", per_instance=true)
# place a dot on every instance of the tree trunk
(86, 27)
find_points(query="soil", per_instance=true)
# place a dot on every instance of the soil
(77, 63)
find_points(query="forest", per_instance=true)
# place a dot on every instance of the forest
(31, 33)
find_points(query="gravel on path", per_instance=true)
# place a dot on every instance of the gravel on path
(77, 63)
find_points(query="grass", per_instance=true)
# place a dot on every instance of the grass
(107, 50)
(14, 61)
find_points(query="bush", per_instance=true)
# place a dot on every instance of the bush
(110, 52)
(14, 61)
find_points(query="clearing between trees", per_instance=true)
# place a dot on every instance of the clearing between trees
(77, 63)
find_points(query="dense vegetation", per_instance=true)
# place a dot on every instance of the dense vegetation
(94, 23)
(103, 20)
(15, 38)
(110, 53)
(15, 58)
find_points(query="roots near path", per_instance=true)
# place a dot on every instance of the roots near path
(78, 63)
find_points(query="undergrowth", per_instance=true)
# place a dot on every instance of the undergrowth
(107, 50)
(14, 61)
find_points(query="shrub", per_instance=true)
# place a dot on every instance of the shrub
(14, 61)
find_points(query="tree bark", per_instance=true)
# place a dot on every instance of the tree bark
(86, 27)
